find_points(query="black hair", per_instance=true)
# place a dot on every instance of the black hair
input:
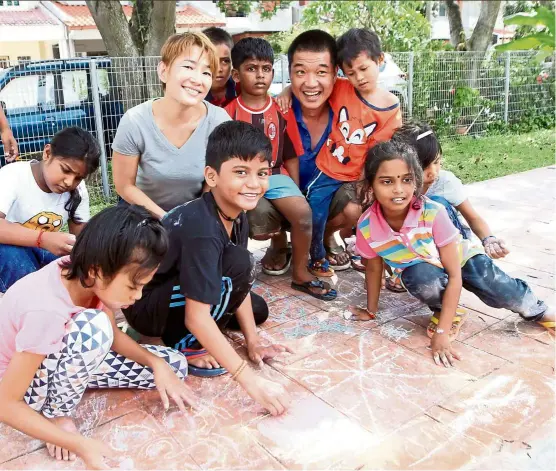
(236, 139)
(427, 147)
(357, 41)
(384, 152)
(76, 143)
(251, 48)
(115, 238)
(314, 40)
(219, 36)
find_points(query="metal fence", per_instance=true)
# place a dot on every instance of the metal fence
(456, 92)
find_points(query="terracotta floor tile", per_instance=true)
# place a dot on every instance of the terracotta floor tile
(139, 441)
(473, 361)
(541, 231)
(15, 443)
(405, 333)
(231, 448)
(271, 279)
(99, 406)
(423, 443)
(319, 372)
(268, 292)
(222, 403)
(504, 341)
(377, 403)
(312, 435)
(533, 452)
(317, 331)
(287, 309)
(540, 261)
(508, 404)
(516, 324)
(532, 276)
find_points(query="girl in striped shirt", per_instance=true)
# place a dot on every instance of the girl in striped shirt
(416, 238)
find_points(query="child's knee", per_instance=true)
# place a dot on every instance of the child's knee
(426, 282)
(303, 219)
(91, 328)
(352, 213)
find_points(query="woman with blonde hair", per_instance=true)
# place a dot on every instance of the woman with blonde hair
(159, 148)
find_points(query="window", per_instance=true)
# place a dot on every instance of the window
(4, 62)
(29, 94)
(23, 58)
(9, 3)
(74, 87)
(442, 9)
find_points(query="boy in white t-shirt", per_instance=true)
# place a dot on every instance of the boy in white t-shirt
(38, 198)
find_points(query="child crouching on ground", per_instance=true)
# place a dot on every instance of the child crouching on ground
(59, 335)
(444, 187)
(204, 283)
(414, 235)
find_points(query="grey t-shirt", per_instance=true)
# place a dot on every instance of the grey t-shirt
(168, 175)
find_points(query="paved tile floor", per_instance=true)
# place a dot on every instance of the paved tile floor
(366, 395)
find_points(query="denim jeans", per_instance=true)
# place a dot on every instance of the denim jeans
(320, 193)
(480, 276)
(16, 262)
(454, 217)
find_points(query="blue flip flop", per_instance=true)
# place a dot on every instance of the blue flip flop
(201, 372)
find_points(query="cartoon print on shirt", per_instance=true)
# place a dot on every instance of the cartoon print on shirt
(353, 133)
(44, 221)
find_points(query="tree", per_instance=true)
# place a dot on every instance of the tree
(482, 33)
(401, 26)
(542, 35)
(128, 42)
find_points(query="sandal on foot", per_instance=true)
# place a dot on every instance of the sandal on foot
(321, 269)
(191, 354)
(357, 264)
(394, 285)
(548, 325)
(285, 268)
(331, 253)
(459, 319)
(308, 287)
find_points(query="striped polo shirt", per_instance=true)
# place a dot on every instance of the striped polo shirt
(427, 227)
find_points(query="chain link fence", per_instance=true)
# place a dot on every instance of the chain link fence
(456, 92)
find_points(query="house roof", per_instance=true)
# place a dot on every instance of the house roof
(187, 16)
(34, 17)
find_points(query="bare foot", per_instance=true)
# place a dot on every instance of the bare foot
(335, 253)
(67, 424)
(206, 361)
(275, 257)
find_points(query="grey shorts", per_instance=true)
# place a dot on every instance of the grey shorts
(265, 218)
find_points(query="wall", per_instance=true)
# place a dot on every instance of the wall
(34, 49)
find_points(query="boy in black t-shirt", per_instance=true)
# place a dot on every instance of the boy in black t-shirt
(204, 282)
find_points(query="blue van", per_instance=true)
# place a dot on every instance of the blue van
(40, 98)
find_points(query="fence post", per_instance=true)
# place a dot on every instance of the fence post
(410, 86)
(284, 68)
(507, 87)
(100, 129)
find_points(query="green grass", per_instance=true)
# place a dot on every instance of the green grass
(477, 159)
(471, 159)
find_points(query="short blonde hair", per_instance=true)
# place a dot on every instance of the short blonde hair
(179, 43)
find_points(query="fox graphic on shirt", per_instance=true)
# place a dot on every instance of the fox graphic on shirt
(349, 133)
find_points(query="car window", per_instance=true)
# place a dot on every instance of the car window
(74, 87)
(29, 94)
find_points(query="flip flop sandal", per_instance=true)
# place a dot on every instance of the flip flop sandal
(321, 269)
(459, 319)
(357, 264)
(285, 268)
(331, 252)
(191, 354)
(319, 284)
(548, 325)
(394, 286)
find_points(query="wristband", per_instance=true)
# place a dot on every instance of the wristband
(239, 370)
(39, 239)
(484, 241)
